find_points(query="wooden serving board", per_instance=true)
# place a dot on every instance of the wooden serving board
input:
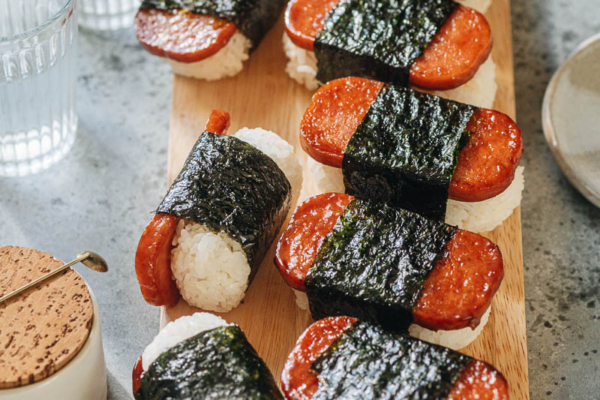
(264, 96)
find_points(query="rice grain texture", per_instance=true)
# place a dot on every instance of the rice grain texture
(228, 61)
(479, 5)
(302, 64)
(455, 340)
(480, 91)
(483, 216)
(211, 269)
(177, 331)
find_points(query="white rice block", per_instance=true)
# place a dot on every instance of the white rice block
(325, 178)
(280, 151)
(301, 299)
(479, 5)
(455, 340)
(483, 216)
(480, 91)
(228, 61)
(177, 331)
(302, 64)
(211, 270)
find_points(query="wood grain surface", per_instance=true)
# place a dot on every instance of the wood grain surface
(264, 96)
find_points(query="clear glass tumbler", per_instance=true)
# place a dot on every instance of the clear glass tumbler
(107, 15)
(38, 49)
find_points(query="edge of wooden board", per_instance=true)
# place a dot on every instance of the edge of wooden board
(263, 95)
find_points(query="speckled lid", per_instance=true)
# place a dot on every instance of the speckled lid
(42, 329)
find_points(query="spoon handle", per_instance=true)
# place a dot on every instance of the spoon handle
(81, 257)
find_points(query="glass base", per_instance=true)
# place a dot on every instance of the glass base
(107, 15)
(38, 117)
(27, 153)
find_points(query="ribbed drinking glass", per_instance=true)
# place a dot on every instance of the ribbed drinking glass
(38, 49)
(107, 14)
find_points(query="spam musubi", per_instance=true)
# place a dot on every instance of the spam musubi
(201, 356)
(415, 150)
(432, 44)
(341, 358)
(219, 218)
(205, 39)
(390, 266)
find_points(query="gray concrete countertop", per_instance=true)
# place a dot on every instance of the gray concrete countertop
(561, 229)
(100, 197)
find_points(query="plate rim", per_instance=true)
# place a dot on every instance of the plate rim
(550, 133)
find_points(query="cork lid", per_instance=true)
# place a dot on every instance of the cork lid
(42, 329)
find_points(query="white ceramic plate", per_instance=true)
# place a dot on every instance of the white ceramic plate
(571, 118)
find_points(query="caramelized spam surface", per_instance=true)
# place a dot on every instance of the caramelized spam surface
(218, 122)
(181, 35)
(300, 243)
(452, 58)
(477, 381)
(304, 19)
(296, 381)
(153, 261)
(460, 288)
(136, 375)
(486, 165)
(456, 293)
(335, 112)
(454, 55)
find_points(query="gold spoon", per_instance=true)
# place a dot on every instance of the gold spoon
(88, 258)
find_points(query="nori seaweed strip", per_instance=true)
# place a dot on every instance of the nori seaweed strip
(215, 364)
(254, 18)
(230, 186)
(367, 362)
(377, 39)
(405, 150)
(373, 263)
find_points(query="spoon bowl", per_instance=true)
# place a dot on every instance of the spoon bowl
(93, 261)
